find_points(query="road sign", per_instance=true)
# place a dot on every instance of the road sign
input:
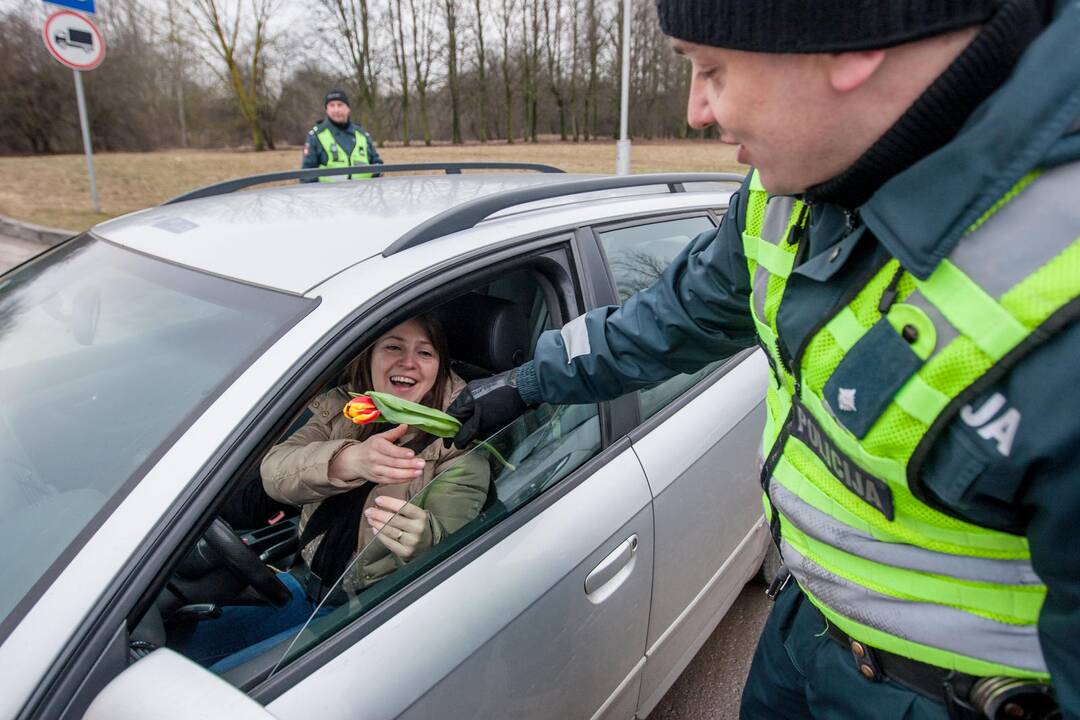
(86, 6)
(73, 40)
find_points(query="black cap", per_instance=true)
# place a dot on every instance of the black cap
(336, 95)
(816, 26)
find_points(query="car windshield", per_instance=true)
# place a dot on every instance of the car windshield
(106, 356)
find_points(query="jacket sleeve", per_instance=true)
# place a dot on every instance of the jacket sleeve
(373, 154)
(296, 471)
(313, 154)
(1052, 537)
(696, 312)
(456, 495)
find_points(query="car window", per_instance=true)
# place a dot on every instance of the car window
(105, 357)
(637, 255)
(524, 459)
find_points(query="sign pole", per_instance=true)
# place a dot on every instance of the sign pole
(622, 148)
(86, 139)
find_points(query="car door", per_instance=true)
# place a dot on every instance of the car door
(697, 439)
(543, 614)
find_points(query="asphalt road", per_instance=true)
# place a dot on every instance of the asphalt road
(711, 685)
(13, 251)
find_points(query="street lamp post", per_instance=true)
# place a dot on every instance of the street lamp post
(622, 148)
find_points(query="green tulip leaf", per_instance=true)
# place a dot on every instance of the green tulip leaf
(403, 412)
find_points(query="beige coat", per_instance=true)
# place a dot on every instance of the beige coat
(295, 472)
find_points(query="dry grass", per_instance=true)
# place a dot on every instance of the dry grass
(54, 190)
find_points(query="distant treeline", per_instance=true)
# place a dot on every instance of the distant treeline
(252, 73)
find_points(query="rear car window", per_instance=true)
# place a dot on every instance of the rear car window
(106, 356)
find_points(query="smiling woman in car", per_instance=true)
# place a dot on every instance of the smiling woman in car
(353, 483)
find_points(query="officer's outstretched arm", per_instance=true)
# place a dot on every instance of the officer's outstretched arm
(696, 312)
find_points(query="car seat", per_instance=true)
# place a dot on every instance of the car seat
(487, 335)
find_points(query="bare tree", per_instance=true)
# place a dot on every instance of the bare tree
(592, 40)
(401, 62)
(220, 27)
(506, 17)
(555, 52)
(575, 66)
(450, 7)
(350, 20)
(530, 60)
(178, 54)
(423, 36)
(481, 66)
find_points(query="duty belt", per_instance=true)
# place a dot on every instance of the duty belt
(966, 697)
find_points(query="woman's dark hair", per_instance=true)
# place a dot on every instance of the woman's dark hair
(359, 370)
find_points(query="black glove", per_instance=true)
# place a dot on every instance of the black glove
(486, 406)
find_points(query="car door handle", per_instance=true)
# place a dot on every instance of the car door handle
(612, 570)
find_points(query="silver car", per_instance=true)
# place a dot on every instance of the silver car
(147, 365)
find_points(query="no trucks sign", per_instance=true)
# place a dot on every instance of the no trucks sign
(73, 40)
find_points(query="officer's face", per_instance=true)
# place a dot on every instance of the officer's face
(780, 110)
(337, 111)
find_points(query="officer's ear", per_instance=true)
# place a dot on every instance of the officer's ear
(849, 71)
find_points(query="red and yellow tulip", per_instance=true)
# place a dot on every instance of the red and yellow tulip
(361, 410)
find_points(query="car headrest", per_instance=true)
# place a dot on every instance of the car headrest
(488, 332)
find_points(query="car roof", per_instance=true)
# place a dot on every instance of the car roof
(294, 237)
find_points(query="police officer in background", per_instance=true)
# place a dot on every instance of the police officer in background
(338, 142)
(906, 253)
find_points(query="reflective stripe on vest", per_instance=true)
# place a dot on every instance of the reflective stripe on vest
(893, 571)
(335, 156)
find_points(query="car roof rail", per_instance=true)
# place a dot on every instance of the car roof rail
(471, 213)
(223, 188)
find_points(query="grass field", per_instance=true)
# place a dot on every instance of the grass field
(54, 190)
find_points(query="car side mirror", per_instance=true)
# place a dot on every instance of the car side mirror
(167, 686)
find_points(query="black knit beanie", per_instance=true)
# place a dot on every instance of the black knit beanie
(816, 26)
(336, 95)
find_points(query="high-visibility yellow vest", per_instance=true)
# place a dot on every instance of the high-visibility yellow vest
(842, 483)
(336, 157)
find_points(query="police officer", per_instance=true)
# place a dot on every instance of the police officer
(906, 253)
(339, 142)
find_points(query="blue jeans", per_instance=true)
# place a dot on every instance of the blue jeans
(245, 631)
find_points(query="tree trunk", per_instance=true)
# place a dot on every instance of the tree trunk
(508, 87)
(452, 71)
(481, 72)
(211, 25)
(401, 61)
(593, 41)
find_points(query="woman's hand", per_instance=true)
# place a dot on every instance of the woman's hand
(401, 526)
(377, 459)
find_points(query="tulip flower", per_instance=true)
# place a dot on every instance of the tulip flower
(386, 408)
(361, 410)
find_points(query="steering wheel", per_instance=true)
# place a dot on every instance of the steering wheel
(245, 563)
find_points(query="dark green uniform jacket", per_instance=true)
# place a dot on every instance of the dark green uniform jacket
(698, 311)
(315, 156)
